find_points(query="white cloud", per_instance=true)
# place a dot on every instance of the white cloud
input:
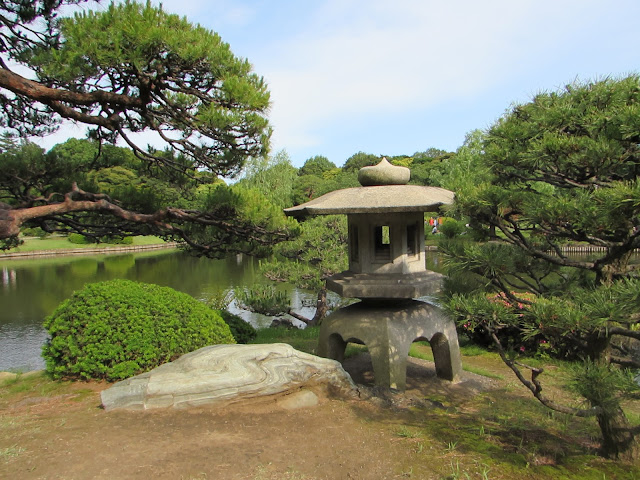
(366, 58)
(332, 64)
(385, 61)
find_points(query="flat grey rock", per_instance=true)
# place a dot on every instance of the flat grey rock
(230, 373)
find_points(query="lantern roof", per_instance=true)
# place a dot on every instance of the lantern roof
(384, 190)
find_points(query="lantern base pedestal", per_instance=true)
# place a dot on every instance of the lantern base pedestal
(400, 286)
(388, 328)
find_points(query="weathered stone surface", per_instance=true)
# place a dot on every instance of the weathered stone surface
(230, 373)
(388, 328)
(376, 199)
(384, 174)
(361, 285)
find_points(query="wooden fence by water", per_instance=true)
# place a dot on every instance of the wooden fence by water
(565, 249)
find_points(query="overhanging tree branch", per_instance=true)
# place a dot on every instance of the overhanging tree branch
(128, 69)
(43, 94)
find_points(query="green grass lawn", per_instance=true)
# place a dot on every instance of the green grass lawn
(32, 244)
(305, 340)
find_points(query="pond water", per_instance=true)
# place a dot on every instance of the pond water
(30, 289)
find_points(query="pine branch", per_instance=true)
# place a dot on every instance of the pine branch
(534, 385)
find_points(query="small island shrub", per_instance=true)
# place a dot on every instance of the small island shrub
(78, 239)
(113, 330)
(117, 240)
(35, 232)
(263, 299)
(219, 299)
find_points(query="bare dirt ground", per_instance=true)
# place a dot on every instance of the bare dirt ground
(68, 435)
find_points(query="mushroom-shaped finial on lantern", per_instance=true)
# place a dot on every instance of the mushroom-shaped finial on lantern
(383, 174)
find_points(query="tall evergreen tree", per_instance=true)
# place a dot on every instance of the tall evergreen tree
(129, 69)
(562, 169)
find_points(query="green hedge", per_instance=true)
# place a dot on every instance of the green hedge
(78, 239)
(113, 330)
(452, 228)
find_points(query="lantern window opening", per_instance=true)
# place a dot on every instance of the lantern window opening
(382, 243)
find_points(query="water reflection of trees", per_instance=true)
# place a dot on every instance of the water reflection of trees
(8, 278)
(38, 286)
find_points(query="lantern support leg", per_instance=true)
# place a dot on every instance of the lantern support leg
(388, 329)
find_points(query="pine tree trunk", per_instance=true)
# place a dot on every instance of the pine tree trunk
(492, 232)
(598, 346)
(617, 265)
(618, 438)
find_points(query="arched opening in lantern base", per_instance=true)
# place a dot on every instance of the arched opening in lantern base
(388, 330)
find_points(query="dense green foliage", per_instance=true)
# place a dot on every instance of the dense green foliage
(454, 171)
(164, 72)
(242, 331)
(212, 218)
(318, 252)
(358, 160)
(451, 228)
(273, 177)
(119, 328)
(562, 168)
(128, 68)
(78, 239)
(258, 223)
(317, 166)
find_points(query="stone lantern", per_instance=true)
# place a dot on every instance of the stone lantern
(387, 272)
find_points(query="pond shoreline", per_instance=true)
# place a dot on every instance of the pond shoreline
(88, 250)
(158, 246)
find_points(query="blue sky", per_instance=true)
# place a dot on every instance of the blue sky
(393, 77)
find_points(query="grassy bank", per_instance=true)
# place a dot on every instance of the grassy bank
(33, 244)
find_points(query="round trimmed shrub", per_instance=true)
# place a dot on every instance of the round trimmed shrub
(117, 240)
(113, 330)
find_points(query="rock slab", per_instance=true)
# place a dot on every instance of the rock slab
(229, 373)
